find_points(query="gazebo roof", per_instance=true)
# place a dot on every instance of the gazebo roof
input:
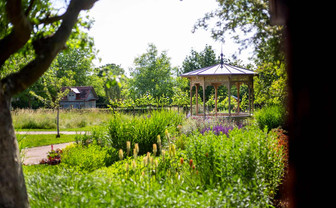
(220, 74)
(219, 69)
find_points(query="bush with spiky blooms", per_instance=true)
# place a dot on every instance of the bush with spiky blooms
(142, 130)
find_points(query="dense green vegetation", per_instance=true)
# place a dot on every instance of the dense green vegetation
(125, 164)
(142, 130)
(88, 158)
(271, 117)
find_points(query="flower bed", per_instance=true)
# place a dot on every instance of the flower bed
(53, 158)
(225, 166)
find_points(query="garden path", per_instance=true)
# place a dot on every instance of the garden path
(34, 155)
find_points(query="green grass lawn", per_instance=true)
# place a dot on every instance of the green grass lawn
(86, 128)
(27, 141)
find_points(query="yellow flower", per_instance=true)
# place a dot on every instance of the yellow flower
(136, 146)
(151, 161)
(145, 161)
(121, 154)
(173, 149)
(154, 149)
(167, 135)
(128, 147)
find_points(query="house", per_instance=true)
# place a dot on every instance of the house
(79, 97)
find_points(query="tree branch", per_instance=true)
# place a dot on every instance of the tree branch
(20, 33)
(46, 50)
(30, 7)
(49, 20)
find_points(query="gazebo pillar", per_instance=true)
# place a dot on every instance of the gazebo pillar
(250, 94)
(216, 90)
(191, 99)
(216, 95)
(197, 85)
(204, 100)
(238, 87)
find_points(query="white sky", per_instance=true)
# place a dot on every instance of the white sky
(124, 28)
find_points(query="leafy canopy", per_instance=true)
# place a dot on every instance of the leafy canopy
(248, 22)
(152, 74)
(198, 60)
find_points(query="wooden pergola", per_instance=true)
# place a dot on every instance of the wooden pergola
(221, 74)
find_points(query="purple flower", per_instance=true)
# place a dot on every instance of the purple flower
(220, 128)
(206, 129)
(188, 115)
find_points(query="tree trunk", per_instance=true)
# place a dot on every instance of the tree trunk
(12, 185)
(58, 131)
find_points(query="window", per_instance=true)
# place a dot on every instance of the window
(71, 96)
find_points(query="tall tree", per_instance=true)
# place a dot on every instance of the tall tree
(112, 80)
(248, 22)
(27, 25)
(78, 60)
(198, 60)
(152, 74)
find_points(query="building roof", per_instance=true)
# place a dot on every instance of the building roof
(75, 90)
(82, 93)
(218, 69)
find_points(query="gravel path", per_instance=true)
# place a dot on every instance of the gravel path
(34, 155)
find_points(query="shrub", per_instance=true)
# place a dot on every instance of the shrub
(271, 117)
(250, 155)
(58, 187)
(142, 130)
(214, 171)
(87, 158)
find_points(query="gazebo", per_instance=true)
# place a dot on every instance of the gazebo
(221, 74)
